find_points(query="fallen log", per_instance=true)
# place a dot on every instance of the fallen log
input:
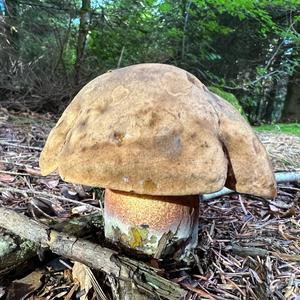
(141, 278)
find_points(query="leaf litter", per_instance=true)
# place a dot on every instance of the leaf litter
(249, 247)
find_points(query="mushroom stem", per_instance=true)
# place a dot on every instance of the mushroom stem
(160, 226)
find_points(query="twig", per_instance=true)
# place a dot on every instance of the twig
(20, 146)
(279, 46)
(280, 177)
(249, 251)
(29, 191)
(249, 84)
(14, 173)
(288, 257)
(243, 206)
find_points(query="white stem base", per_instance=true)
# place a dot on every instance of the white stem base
(154, 225)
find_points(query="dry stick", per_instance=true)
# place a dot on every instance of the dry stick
(255, 251)
(20, 146)
(141, 275)
(280, 177)
(14, 173)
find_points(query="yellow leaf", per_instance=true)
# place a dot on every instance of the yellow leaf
(136, 238)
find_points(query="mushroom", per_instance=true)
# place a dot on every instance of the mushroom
(155, 138)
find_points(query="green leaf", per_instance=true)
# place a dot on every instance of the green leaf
(165, 7)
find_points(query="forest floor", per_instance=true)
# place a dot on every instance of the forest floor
(248, 246)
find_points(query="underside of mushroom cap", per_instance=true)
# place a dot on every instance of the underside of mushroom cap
(155, 129)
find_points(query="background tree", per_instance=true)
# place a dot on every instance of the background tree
(82, 36)
(50, 48)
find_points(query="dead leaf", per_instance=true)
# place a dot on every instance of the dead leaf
(80, 190)
(59, 295)
(281, 204)
(81, 276)
(80, 209)
(6, 178)
(25, 286)
(50, 183)
(273, 208)
(69, 193)
(72, 291)
(59, 210)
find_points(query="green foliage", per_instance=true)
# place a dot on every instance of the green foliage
(249, 46)
(229, 98)
(291, 128)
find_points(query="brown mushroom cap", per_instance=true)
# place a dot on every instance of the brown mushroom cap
(156, 129)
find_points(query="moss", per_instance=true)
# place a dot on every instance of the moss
(27, 247)
(7, 245)
(289, 128)
(13, 253)
(229, 98)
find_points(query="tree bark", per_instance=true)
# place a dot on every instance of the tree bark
(291, 110)
(186, 12)
(82, 37)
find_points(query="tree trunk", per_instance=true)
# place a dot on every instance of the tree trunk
(291, 110)
(185, 14)
(82, 37)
